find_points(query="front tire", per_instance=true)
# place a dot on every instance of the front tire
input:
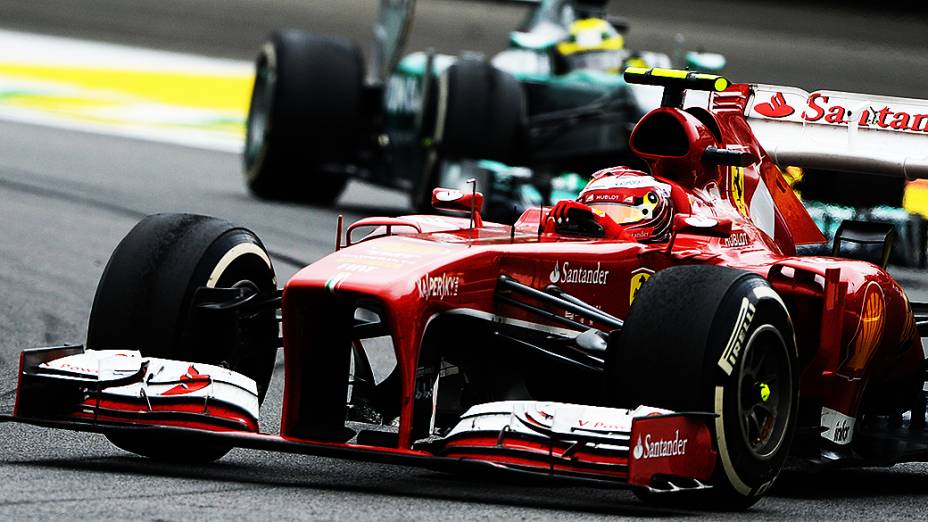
(144, 302)
(305, 114)
(730, 351)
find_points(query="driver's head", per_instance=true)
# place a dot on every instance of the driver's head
(632, 199)
(592, 43)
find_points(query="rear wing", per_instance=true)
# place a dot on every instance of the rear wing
(841, 131)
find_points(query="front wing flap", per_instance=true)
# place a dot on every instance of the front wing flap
(122, 386)
(646, 447)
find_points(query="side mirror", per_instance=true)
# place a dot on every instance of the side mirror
(706, 62)
(456, 200)
(729, 157)
(702, 225)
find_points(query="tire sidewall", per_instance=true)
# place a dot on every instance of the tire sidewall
(740, 470)
(265, 71)
(144, 297)
(233, 258)
(677, 367)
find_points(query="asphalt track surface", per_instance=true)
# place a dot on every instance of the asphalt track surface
(66, 198)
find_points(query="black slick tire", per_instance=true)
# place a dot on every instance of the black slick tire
(718, 340)
(305, 117)
(144, 302)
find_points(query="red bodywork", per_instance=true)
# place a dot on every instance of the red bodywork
(852, 320)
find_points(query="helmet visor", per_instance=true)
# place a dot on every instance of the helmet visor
(625, 214)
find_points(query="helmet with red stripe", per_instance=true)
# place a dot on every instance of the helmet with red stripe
(632, 199)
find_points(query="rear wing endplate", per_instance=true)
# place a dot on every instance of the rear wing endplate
(842, 131)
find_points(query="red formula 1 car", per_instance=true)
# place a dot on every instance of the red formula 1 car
(659, 334)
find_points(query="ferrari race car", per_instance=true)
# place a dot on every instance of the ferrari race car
(660, 334)
(554, 97)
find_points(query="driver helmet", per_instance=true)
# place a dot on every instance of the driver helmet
(632, 199)
(591, 43)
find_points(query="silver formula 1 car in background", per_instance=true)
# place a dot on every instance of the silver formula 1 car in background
(552, 100)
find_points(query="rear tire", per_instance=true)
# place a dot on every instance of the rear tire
(730, 351)
(306, 113)
(144, 302)
(481, 112)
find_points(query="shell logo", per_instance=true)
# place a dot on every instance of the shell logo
(869, 330)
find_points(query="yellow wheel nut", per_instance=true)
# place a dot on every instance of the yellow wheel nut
(764, 391)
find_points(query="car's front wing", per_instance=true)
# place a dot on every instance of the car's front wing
(643, 448)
